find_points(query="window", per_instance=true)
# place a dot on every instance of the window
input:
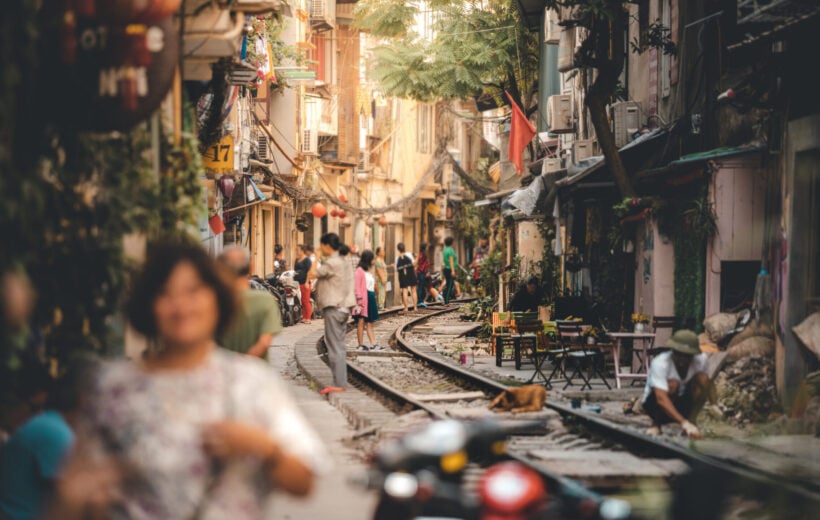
(423, 128)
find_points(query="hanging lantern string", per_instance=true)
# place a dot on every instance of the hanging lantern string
(435, 167)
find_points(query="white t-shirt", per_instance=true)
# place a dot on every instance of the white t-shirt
(662, 370)
(370, 281)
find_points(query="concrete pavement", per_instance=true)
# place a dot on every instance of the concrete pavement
(333, 497)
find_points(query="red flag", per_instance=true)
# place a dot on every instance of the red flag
(521, 133)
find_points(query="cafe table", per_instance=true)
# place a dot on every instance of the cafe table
(646, 338)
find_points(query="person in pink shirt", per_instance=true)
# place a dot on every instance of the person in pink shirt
(367, 309)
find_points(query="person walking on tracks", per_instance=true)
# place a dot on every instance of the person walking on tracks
(422, 270)
(381, 278)
(668, 397)
(367, 310)
(259, 317)
(407, 277)
(450, 261)
(334, 291)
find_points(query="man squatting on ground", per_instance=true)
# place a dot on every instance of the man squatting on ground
(668, 398)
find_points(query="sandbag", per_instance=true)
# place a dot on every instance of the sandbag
(754, 346)
(706, 344)
(719, 325)
(751, 330)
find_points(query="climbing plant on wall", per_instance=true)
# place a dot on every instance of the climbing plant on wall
(689, 220)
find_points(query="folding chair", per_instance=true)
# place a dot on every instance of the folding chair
(558, 355)
(580, 356)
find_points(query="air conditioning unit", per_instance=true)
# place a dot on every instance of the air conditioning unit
(552, 31)
(559, 112)
(310, 142)
(582, 149)
(625, 116)
(552, 165)
(566, 49)
(263, 148)
(318, 8)
(363, 164)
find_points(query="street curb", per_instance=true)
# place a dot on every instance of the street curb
(360, 410)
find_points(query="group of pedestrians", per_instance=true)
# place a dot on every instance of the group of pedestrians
(198, 426)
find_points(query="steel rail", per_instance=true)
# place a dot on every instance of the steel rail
(757, 481)
(571, 489)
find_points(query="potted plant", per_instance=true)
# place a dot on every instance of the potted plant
(639, 321)
(592, 334)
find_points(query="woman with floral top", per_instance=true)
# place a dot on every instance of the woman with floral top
(203, 433)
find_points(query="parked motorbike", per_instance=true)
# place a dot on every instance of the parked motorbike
(290, 303)
(276, 291)
(422, 475)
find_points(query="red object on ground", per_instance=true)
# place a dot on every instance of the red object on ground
(318, 210)
(521, 133)
(331, 389)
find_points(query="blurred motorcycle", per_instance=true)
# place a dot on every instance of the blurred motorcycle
(422, 475)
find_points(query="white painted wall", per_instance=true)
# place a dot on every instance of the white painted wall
(738, 193)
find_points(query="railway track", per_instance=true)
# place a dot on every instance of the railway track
(605, 456)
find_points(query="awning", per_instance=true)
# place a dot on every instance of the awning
(493, 198)
(582, 170)
(686, 162)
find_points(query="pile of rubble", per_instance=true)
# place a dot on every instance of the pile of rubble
(746, 390)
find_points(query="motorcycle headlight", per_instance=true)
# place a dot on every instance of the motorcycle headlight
(401, 485)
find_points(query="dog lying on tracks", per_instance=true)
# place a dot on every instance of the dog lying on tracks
(528, 398)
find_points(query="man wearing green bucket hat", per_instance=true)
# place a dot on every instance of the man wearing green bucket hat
(669, 398)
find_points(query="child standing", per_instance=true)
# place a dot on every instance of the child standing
(367, 309)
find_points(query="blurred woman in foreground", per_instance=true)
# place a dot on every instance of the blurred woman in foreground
(198, 432)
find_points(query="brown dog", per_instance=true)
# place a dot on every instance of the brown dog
(529, 398)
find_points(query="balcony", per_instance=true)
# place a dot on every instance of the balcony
(322, 15)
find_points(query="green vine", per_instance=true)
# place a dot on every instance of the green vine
(689, 220)
(549, 265)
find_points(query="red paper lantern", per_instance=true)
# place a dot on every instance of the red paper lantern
(318, 210)
(342, 197)
(342, 213)
(383, 221)
(334, 212)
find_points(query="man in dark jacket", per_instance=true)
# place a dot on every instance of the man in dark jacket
(528, 297)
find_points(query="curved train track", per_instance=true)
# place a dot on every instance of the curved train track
(414, 376)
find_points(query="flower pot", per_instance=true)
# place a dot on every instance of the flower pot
(639, 327)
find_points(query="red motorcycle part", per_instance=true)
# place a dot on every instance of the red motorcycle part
(510, 491)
